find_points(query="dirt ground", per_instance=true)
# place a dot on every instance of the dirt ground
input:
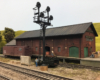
(76, 73)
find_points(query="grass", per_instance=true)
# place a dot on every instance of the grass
(76, 73)
(17, 33)
(5, 59)
(97, 27)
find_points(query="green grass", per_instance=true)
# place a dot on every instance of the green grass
(97, 27)
(17, 33)
(4, 59)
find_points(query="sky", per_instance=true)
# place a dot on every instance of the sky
(18, 14)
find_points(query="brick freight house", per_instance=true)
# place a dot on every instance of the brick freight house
(68, 41)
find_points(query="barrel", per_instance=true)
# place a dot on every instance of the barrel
(47, 53)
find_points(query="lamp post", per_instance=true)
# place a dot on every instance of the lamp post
(43, 21)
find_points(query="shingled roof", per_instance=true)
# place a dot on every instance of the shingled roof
(59, 31)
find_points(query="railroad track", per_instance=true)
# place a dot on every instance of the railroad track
(32, 73)
(68, 65)
(4, 78)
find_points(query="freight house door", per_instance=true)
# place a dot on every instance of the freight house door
(86, 52)
(47, 49)
(73, 52)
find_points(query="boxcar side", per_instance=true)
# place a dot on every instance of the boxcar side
(17, 51)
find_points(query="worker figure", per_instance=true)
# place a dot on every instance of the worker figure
(92, 56)
(52, 53)
(36, 61)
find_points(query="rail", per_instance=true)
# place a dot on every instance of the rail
(33, 73)
(4, 78)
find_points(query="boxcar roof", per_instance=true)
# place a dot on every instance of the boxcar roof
(59, 31)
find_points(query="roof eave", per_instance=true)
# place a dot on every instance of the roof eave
(52, 36)
(94, 30)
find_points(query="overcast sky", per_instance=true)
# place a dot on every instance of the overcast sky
(18, 14)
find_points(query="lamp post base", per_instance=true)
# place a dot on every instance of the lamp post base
(44, 65)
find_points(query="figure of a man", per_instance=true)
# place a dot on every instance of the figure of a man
(36, 61)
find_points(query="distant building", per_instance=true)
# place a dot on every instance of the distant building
(11, 43)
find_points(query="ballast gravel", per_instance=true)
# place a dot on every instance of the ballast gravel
(14, 75)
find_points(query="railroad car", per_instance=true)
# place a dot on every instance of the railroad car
(17, 51)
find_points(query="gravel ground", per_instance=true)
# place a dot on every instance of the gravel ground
(76, 73)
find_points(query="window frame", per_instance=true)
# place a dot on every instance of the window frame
(36, 48)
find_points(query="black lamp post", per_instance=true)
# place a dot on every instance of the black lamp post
(43, 21)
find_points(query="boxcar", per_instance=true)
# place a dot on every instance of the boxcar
(17, 51)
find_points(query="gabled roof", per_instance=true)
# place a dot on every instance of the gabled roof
(11, 43)
(59, 31)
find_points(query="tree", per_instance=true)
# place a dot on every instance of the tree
(9, 34)
(0, 37)
(0, 41)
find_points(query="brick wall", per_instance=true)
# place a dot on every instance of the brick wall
(64, 42)
(85, 43)
(54, 42)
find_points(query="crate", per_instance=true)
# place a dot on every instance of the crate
(25, 60)
(96, 55)
(44, 68)
(99, 54)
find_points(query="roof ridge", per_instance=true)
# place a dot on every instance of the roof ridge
(70, 25)
(63, 30)
(62, 26)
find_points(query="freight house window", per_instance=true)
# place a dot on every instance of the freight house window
(89, 38)
(59, 49)
(36, 48)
